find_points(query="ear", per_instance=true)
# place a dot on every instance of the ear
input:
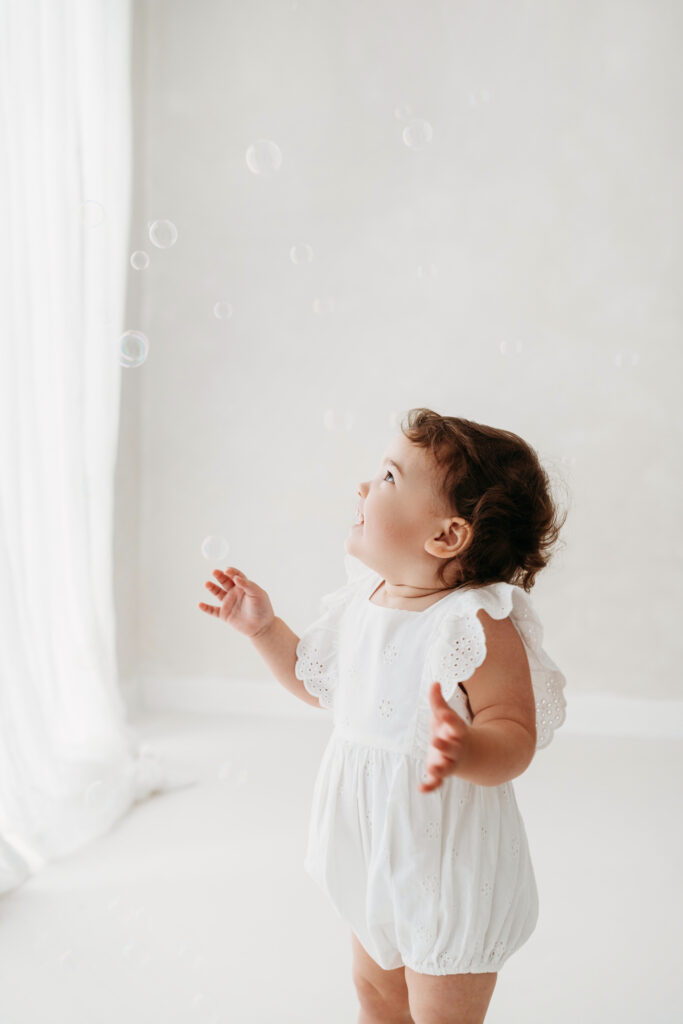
(455, 537)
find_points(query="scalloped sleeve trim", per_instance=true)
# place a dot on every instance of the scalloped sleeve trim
(459, 648)
(316, 652)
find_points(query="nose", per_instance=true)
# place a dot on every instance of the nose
(362, 490)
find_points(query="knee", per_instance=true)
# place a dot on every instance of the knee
(390, 1007)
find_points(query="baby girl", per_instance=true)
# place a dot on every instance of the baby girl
(431, 662)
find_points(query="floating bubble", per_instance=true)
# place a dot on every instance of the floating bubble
(131, 949)
(222, 310)
(66, 958)
(484, 97)
(139, 260)
(224, 771)
(624, 358)
(92, 213)
(301, 254)
(163, 233)
(403, 112)
(429, 270)
(264, 158)
(417, 133)
(133, 348)
(507, 346)
(337, 421)
(242, 778)
(135, 914)
(324, 305)
(215, 548)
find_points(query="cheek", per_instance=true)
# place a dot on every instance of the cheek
(385, 522)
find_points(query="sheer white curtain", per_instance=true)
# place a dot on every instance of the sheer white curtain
(69, 764)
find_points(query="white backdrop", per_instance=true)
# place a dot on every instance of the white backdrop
(521, 269)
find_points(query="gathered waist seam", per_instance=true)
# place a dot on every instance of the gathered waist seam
(372, 743)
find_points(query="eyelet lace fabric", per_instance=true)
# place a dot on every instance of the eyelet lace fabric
(317, 663)
(459, 648)
(441, 881)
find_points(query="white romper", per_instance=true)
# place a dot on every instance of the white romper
(440, 881)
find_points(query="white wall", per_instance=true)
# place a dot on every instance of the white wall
(549, 203)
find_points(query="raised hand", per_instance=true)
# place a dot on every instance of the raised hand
(244, 604)
(449, 735)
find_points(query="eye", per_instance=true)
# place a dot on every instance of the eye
(390, 474)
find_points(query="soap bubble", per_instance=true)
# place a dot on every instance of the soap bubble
(133, 348)
(131, 948)
(66, 958)
(215, 548)
(92, 213)
(163, 233)
(324, 305)
(139, 260)
(417, 133)
(506, 346)
(264, 158)
(403, 111)
(301, 254)
(222, 310)
(337, 421)
(484, 97)
(428, 270)
(114, 904)
(624, 358)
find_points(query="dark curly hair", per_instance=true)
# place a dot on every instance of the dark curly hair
(495, 481)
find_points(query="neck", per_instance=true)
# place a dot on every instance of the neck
(408, 590)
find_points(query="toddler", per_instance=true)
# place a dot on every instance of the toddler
(431, 662)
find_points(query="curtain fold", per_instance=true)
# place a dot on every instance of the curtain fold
(70, 766)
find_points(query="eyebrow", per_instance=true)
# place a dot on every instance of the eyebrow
(390, 462)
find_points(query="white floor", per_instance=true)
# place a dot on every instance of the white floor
(197, 908)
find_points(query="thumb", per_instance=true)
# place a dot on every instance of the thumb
(436, 694)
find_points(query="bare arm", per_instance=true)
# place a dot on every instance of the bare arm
(496, 752)
(247, 608)
(277, 646)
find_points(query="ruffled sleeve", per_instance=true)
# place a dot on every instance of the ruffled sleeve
(316, 651)
(459, 647)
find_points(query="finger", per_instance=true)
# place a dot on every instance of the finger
(223, 577)
(427, 787)
(208, 608)
(237, 578)
(447, 746)
(232, 573)
(215, 589)
(439, 705)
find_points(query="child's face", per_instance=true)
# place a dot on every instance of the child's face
(407, 528)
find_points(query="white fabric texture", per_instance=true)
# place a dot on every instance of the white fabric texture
(442, 881)
(69, 765)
